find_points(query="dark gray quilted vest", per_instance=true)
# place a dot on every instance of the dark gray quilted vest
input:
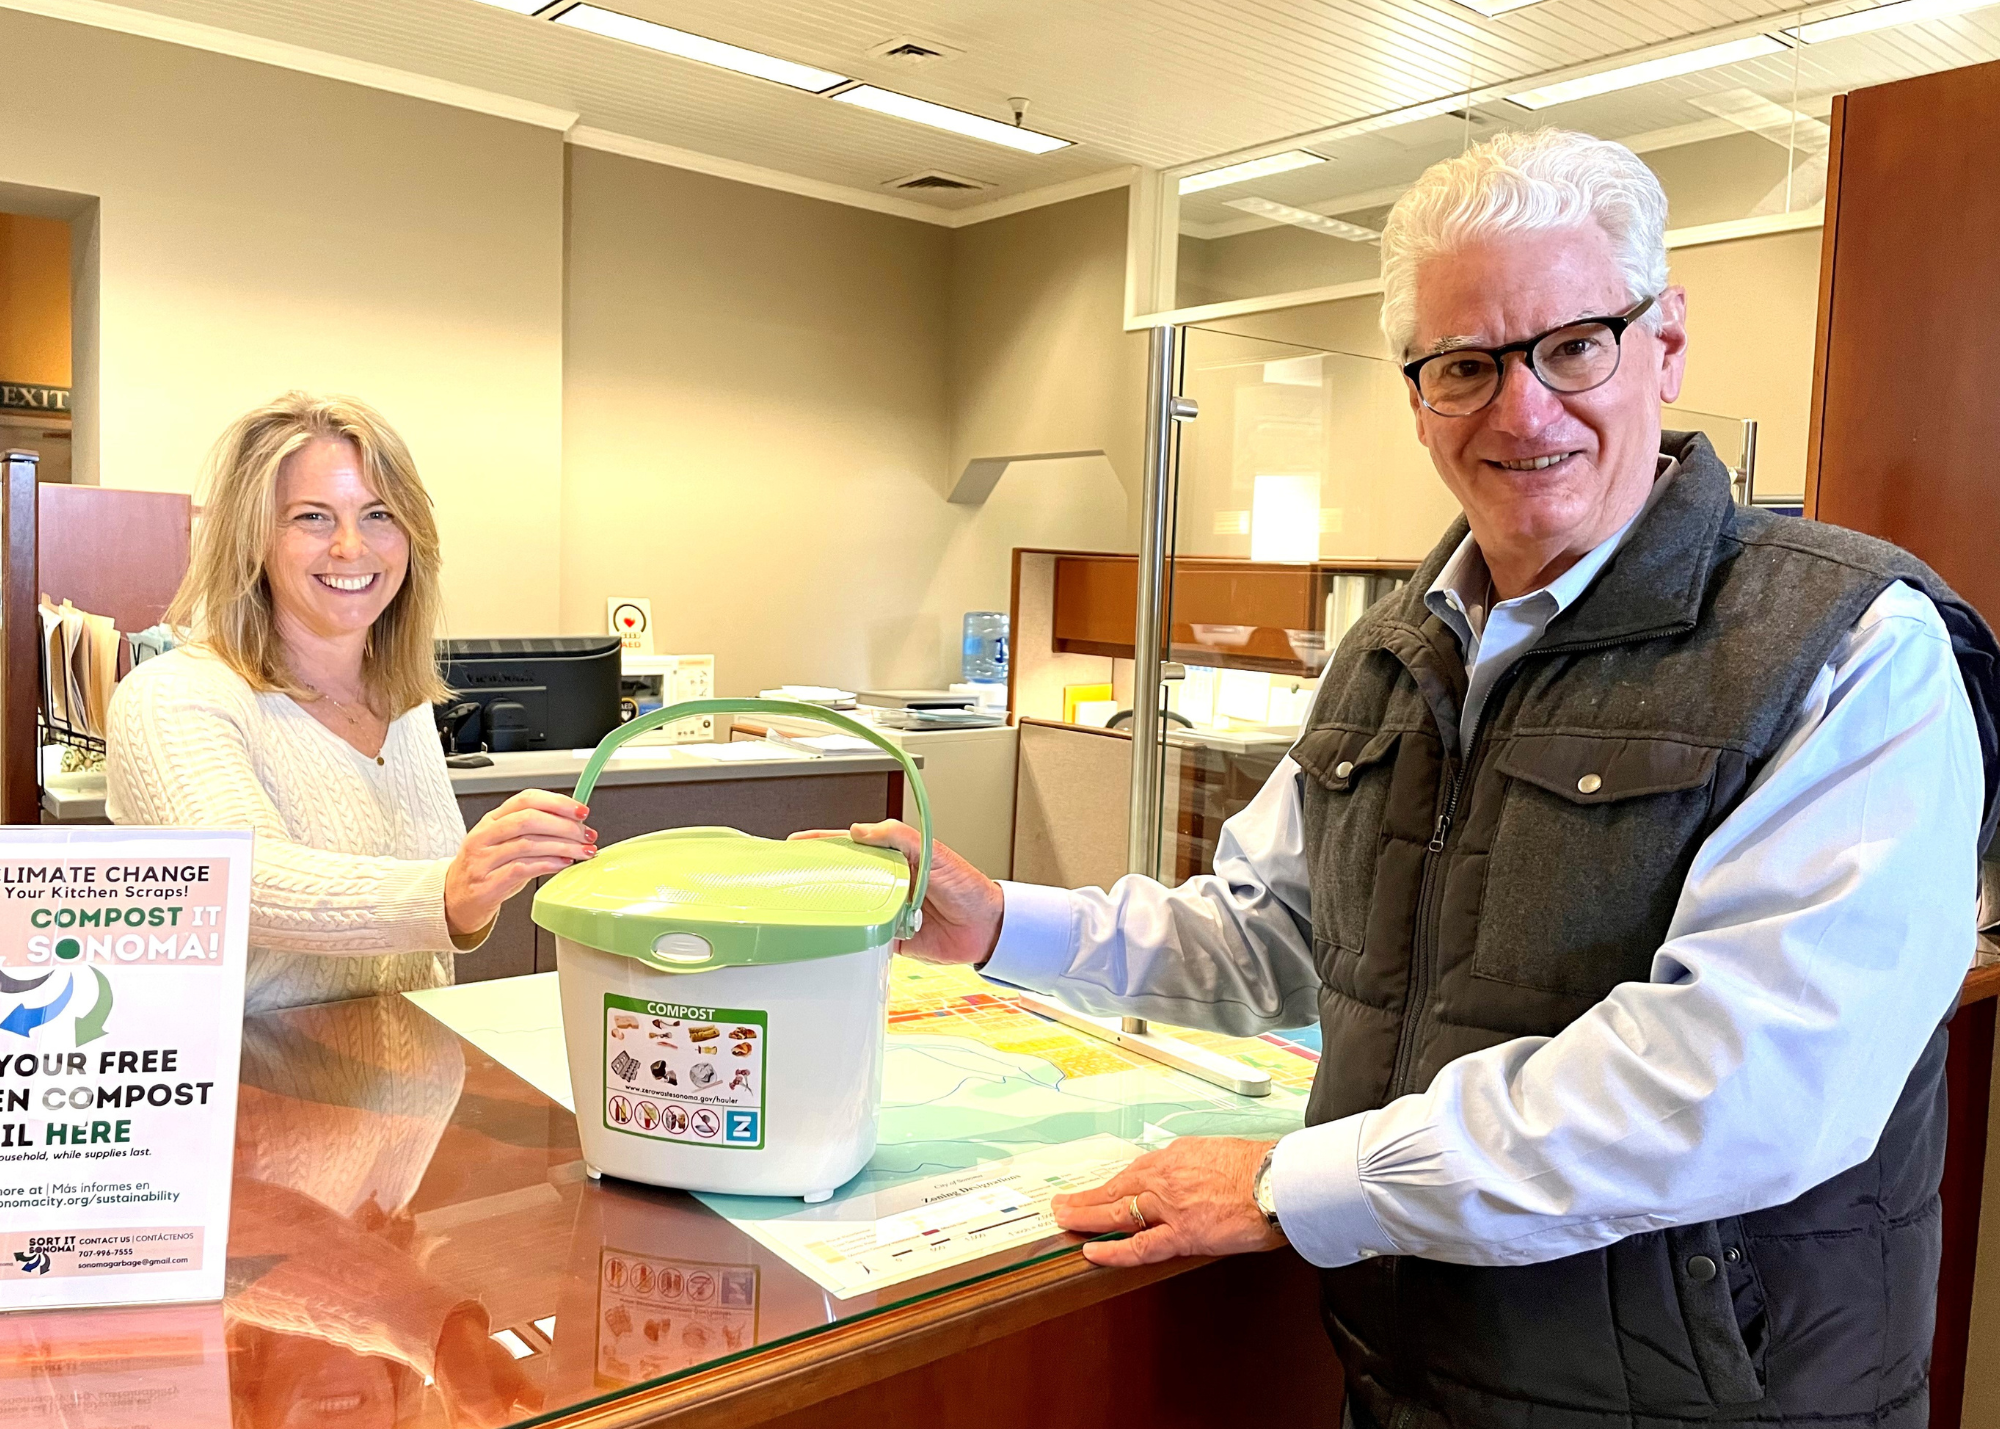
(1462, 898)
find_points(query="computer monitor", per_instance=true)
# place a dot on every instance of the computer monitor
(535, 692)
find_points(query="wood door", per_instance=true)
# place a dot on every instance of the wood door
(1906, 415)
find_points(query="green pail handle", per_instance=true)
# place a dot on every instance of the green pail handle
(911, 918)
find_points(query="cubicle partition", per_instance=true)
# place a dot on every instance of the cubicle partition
(115, 553)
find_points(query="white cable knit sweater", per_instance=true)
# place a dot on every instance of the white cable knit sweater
(347, 896)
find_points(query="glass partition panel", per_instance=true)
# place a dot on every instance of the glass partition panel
(1734, 440)
(1300, 496)
(1736, 130)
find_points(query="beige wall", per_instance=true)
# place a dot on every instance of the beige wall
(1753, 307)
(1039, 357)
(1717, 180)
(759, 423)
(1279, 259)
(259, 229)
(34, 300)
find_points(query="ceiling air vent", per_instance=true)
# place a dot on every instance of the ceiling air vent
(912, 51)
(936, 181)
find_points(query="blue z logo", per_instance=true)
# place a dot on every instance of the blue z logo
(739, 1126)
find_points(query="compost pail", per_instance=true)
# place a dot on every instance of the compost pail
(724, 996)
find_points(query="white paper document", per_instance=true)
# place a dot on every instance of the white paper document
(858, 1244)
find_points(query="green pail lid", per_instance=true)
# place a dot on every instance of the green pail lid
(686, 900)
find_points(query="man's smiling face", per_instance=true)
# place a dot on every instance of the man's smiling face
(1545, 476)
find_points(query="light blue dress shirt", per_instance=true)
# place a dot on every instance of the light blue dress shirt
(1821, 934)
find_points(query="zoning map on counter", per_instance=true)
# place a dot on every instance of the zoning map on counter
(987, 1111)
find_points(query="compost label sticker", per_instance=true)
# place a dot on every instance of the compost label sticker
(683, 1072)
(122, 955)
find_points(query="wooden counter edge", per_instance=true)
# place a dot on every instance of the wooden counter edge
(1980, 984)
(819, 1366)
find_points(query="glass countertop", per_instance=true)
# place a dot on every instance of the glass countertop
(415, 1240)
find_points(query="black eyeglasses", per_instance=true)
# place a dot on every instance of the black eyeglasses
(1572, 358)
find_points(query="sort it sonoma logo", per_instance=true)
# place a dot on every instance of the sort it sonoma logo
(24, 1016)
(38, 1263)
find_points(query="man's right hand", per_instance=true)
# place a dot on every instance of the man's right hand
(962, 906)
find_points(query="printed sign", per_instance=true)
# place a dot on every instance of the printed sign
(631, 619)
(677, 1072)
(122, 955)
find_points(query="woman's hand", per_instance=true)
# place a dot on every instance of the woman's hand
(481, 1383)
(962, 906)
(533, 834)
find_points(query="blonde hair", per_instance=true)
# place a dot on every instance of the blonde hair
(1518, 182)
(224, 601)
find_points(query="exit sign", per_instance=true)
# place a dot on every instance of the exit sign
(27, 397)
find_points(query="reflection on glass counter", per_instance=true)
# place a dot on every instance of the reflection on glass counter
(415, 1241)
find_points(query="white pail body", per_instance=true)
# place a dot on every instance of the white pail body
(758, 1080)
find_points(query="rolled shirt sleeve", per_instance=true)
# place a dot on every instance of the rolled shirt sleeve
(1230, 951)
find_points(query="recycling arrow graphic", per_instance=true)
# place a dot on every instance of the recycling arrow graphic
(90, 1026)
(25, 1019)
(23, 984)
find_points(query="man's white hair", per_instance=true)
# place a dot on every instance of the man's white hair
(1517, 183)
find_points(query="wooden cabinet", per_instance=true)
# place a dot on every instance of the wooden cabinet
(1225, 611)
(1906, 413)
(1905, 422)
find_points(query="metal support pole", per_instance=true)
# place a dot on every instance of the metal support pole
(1142, 838)
(1749, 461)
(1142, 847)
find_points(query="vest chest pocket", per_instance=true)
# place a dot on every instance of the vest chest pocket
(1346, 800)
(1591, 845)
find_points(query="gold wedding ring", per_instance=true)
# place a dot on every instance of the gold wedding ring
(1138, 1216)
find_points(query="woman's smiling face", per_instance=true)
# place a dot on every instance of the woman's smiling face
(338, 556)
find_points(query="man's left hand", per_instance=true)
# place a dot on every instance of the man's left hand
(1194, 1195)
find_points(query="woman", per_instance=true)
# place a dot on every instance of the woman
(301, 709)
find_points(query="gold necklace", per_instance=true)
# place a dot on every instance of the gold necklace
(355, 712)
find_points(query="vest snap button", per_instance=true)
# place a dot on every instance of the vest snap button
(1732, 1255)
(1589, 784)
(1343, 769)
(1701, 1269)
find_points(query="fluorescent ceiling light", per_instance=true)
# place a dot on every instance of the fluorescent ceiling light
(939, 116)
(613, 26)
(1490, 8)
(1750, 47)
(1903, 12)
(1249, 169)
(1305, 218)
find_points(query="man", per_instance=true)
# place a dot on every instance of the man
(1628, 862)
